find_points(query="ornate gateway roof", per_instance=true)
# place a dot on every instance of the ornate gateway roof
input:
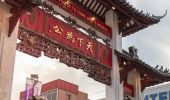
(131, 20)
(149, 75)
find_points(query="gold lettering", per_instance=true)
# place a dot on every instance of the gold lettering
(70, 36)
(57, 29)
(80, 41)
(89, 47)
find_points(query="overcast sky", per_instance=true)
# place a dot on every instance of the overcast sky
(152, 43)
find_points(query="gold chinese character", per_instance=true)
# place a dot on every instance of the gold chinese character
(67, 3)
(90, 46)
(57, 29)
(70, 36)
(80, 41)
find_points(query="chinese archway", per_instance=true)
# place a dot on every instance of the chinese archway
(41, 31)
(61, 41)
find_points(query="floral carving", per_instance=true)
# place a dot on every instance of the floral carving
(33, 44)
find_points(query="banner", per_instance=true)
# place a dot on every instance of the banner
(33, 88)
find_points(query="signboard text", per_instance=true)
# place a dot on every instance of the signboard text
(63, 34)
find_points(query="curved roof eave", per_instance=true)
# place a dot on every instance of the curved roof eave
(145, 19)
(127, 56)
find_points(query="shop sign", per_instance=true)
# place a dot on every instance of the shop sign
(164, 95)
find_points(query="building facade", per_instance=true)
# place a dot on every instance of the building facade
(157, 92)
(60, 90)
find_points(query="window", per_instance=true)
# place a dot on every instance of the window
(54, 94)
(68, 97)
(49, 97)
(51, 94)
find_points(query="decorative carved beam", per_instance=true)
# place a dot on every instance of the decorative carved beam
(34, 44)
(49, 9)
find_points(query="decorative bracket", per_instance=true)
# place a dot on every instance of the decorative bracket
(14, 18)
(19, 7)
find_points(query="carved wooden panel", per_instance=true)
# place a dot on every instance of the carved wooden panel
(33, 44)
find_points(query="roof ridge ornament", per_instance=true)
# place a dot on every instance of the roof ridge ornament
(133, 52)
(160, 17)
(161, 69)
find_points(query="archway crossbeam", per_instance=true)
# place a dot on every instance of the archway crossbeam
(33, 44)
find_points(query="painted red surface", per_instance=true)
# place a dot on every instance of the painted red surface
(60, 84)
(72, 41)
(128, 89)
(57, 84)
(104, 55)
(84, 15)
(62, 33)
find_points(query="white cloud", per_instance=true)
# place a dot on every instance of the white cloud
(48, 70)
(152, 42)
